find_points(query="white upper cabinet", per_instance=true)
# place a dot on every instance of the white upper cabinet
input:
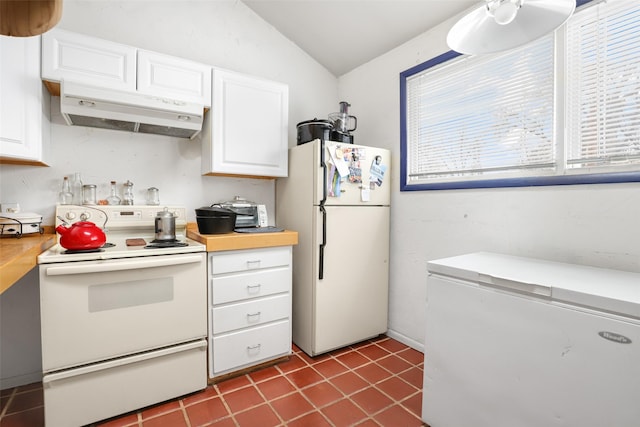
(173, 77)
(88, 60)
(108, 65)
(245, 133)
(24, 121)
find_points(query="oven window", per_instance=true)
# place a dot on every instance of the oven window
(112, 296)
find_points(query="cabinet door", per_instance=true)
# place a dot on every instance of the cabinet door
(24, 133)
(245, 133)
(89, 60)
(172, 77)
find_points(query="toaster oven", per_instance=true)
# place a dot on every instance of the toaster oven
(248, 214)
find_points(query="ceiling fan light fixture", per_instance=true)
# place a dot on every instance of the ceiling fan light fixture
(500, 25)
(505, 11)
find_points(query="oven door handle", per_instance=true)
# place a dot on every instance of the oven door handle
(122, 264)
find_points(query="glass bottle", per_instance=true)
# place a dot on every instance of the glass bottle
(113, 198)
(65, 197)
(128, 193)
(76, 189)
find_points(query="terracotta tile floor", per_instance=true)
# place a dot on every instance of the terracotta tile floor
(374, 383)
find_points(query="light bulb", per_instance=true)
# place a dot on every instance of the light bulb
(505, 13)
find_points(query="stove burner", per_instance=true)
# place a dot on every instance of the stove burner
(82, 251)
(108, 245)
(165, 244)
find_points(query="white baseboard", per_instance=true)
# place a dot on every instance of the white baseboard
(18, 380)
(406, 340)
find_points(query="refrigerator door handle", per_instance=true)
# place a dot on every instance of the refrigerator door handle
(323, 165)
(324, 242)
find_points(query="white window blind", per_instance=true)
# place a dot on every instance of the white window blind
(603, 88)
(483, 117)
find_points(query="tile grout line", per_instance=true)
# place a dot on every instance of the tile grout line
(9, 400)
(268, 402)
(183, 409)
(226, 405)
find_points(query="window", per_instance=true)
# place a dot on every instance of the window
(564, 109)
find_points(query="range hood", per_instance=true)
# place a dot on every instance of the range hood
(91, 106)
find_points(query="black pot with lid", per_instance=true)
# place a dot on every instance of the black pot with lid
(338, 128)
(314, 129)
(215, 219)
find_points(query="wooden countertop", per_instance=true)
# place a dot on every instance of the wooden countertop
(19, 256)
(235, 241)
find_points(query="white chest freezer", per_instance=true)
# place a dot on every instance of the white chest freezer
(516, 342)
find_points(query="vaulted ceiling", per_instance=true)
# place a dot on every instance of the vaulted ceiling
(343, 34)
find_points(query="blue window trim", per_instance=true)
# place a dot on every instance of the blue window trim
(603, 178)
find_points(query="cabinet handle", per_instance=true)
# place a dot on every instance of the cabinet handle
(250, 316)
(253, 289)
(255, 348)
(253, 264)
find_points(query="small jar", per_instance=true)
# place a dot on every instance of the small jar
(153, 196)
(89, 194)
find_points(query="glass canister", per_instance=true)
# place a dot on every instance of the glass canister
(89, 194)
(153, 196)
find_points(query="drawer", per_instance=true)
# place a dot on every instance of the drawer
(249, 347)
(250, 313)
(249, 259)
(253, 284)
(123, 385)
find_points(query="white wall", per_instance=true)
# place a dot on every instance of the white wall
(585, 224)
(223, 33)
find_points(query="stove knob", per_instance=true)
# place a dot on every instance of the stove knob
(70, 215)
(85, 216)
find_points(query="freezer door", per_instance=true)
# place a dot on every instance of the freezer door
(350, 302)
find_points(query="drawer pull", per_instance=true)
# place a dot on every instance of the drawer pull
(253, 289)
(253, 264)
(254, 348)
(253, 317)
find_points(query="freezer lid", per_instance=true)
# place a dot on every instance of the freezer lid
(601, 289)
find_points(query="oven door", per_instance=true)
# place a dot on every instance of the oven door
(97, 310)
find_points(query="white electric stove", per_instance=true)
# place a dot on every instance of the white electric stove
(124, 327)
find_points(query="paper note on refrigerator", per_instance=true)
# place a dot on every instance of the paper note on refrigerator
(377, 170)
(337, 157)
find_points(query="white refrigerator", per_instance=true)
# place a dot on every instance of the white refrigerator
(519, 342)
(337, 197)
